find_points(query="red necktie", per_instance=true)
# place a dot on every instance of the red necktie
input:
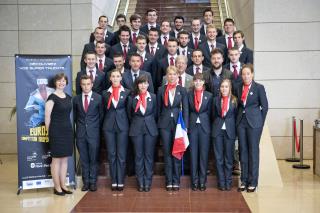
(152, 51)
(196, 44)
(235, 71)
(229, 42)
(86, 103)
(124, 51)
(197, 69)
(171, 61)
(224, 108)
(142, 62)
(180, 81)
(166, 93)
(165, 43)
(100, 65)
(134, 38)
(91, 75)
(197, 99)
(114, 95)
(244, 93)
(141, 101)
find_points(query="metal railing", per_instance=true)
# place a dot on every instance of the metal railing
(224, 7)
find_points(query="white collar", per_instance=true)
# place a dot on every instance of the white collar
(89, 94)
(147, 96)
(93, 69)
(121, 89)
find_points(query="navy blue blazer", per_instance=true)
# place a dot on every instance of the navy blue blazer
(246, 56)
(206, 52)
(145, 28)
(256, 107)
(164, 112)
(189, 55)
(117, 49)
(88, 123)
(160, 52)
(235, 82)
(90, 47)
(200, 40)
(108, 65)
(139, 121)
(205, 69)
(204, 113)
(118, 115)
(98, 84)
(229, 119)
(127, 80)
(107, 39)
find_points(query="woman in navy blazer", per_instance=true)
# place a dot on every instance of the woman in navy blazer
(200, 107)
(171, 99)
(143, 131)
(116, 128)
(224, 133)
(253, 108)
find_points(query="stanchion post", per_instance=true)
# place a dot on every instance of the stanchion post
(293, 154)
(301, 165)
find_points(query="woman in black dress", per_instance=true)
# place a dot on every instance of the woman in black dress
(58, 123)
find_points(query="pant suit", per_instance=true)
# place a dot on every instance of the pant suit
(143, 133)
(88, 122)
(115, 129)
(199, 136)
(250, 120)
(224, 135)
(168, 117)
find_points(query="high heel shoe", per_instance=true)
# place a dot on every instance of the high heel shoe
(66, 191)
(58, 193)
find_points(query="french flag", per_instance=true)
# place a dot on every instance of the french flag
(181, 141)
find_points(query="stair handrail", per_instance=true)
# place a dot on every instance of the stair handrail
(228, 10)
(126, 8)
(220, 11)
(115, 14)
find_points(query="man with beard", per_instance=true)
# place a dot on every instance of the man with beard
(218, 73)
(178, 26)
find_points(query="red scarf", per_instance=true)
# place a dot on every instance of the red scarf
(166, 94)
(245, 93)
(197, 98)
(141, 101)
(224, 108)
(114, 94)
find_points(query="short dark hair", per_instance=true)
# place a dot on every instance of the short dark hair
(103, 16)
(100, 42)
(239, 32)
(98, 28)
(178, 17)
(197, 50)
(58, 77)
(117, 55)
(85, 77)
(90, 53)
(141, 79)
(121, 16)
(135, 54)
(135, 17)
(233, 49)
(183, 32)
(216, 51)
(228, 20)
(207, 10)
(151, 10)
(124, 28)
(174, 39)
(153, 29)
(249, 66)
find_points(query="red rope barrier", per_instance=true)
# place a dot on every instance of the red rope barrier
(296, 135)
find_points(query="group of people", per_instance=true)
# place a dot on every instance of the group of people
(132, 86)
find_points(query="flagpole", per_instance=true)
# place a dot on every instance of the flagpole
(182, 166)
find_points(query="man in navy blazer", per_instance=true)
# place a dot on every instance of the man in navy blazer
(155, 48)
(104, 64)
(135, 23)
(146, 58)
(165, 33)
(178, 26)
(88, 117)
(91, 70)
(195, 37)
(90, 47)
(152, 16)
(246, 54)
(103, 23)
(124, 47)
(208, 19)
(128, 78)
(210, 45)
(183, 38)
(227, 38)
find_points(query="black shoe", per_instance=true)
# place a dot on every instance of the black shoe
(114, 187)
(66, 191)
(251, 189)
(140, 189)
(202, 187)
(85, 187)
(175, 188)
(169, 187)
(93, 187)
(241, 188)
(194, 187)
(120, 188)
(221, 188)
(58, 193)
(147, 189)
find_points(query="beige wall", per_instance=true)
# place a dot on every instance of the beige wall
(286, 50)
(36, 27)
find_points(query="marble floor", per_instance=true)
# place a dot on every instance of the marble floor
(300, 193)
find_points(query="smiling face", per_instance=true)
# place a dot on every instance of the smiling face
(143, 86)
(211, 34)
(118, 62)
(153, 36)
(136, 24)
(178, 24)
(152, 17)
(197, 58)
(61, 83)
(141, 45)
(86, 86)
(103, 22)
(225, 88)
(99, 34)
(198, 84)
(172, 76)
(196, 26)
(115, 78)
(135, 62)
(208, 17)
(247, 75)
(165, 27)
(124, 37)
(216, 61)
(229, 27)
(90, 60)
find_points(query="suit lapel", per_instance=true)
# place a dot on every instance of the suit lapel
(204, 101)
(218, 105)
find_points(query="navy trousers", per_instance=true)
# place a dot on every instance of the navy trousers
(199, 152)
(224, 152)
(117, 143)
(89, 152)
(249, 139)
(144, 146)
